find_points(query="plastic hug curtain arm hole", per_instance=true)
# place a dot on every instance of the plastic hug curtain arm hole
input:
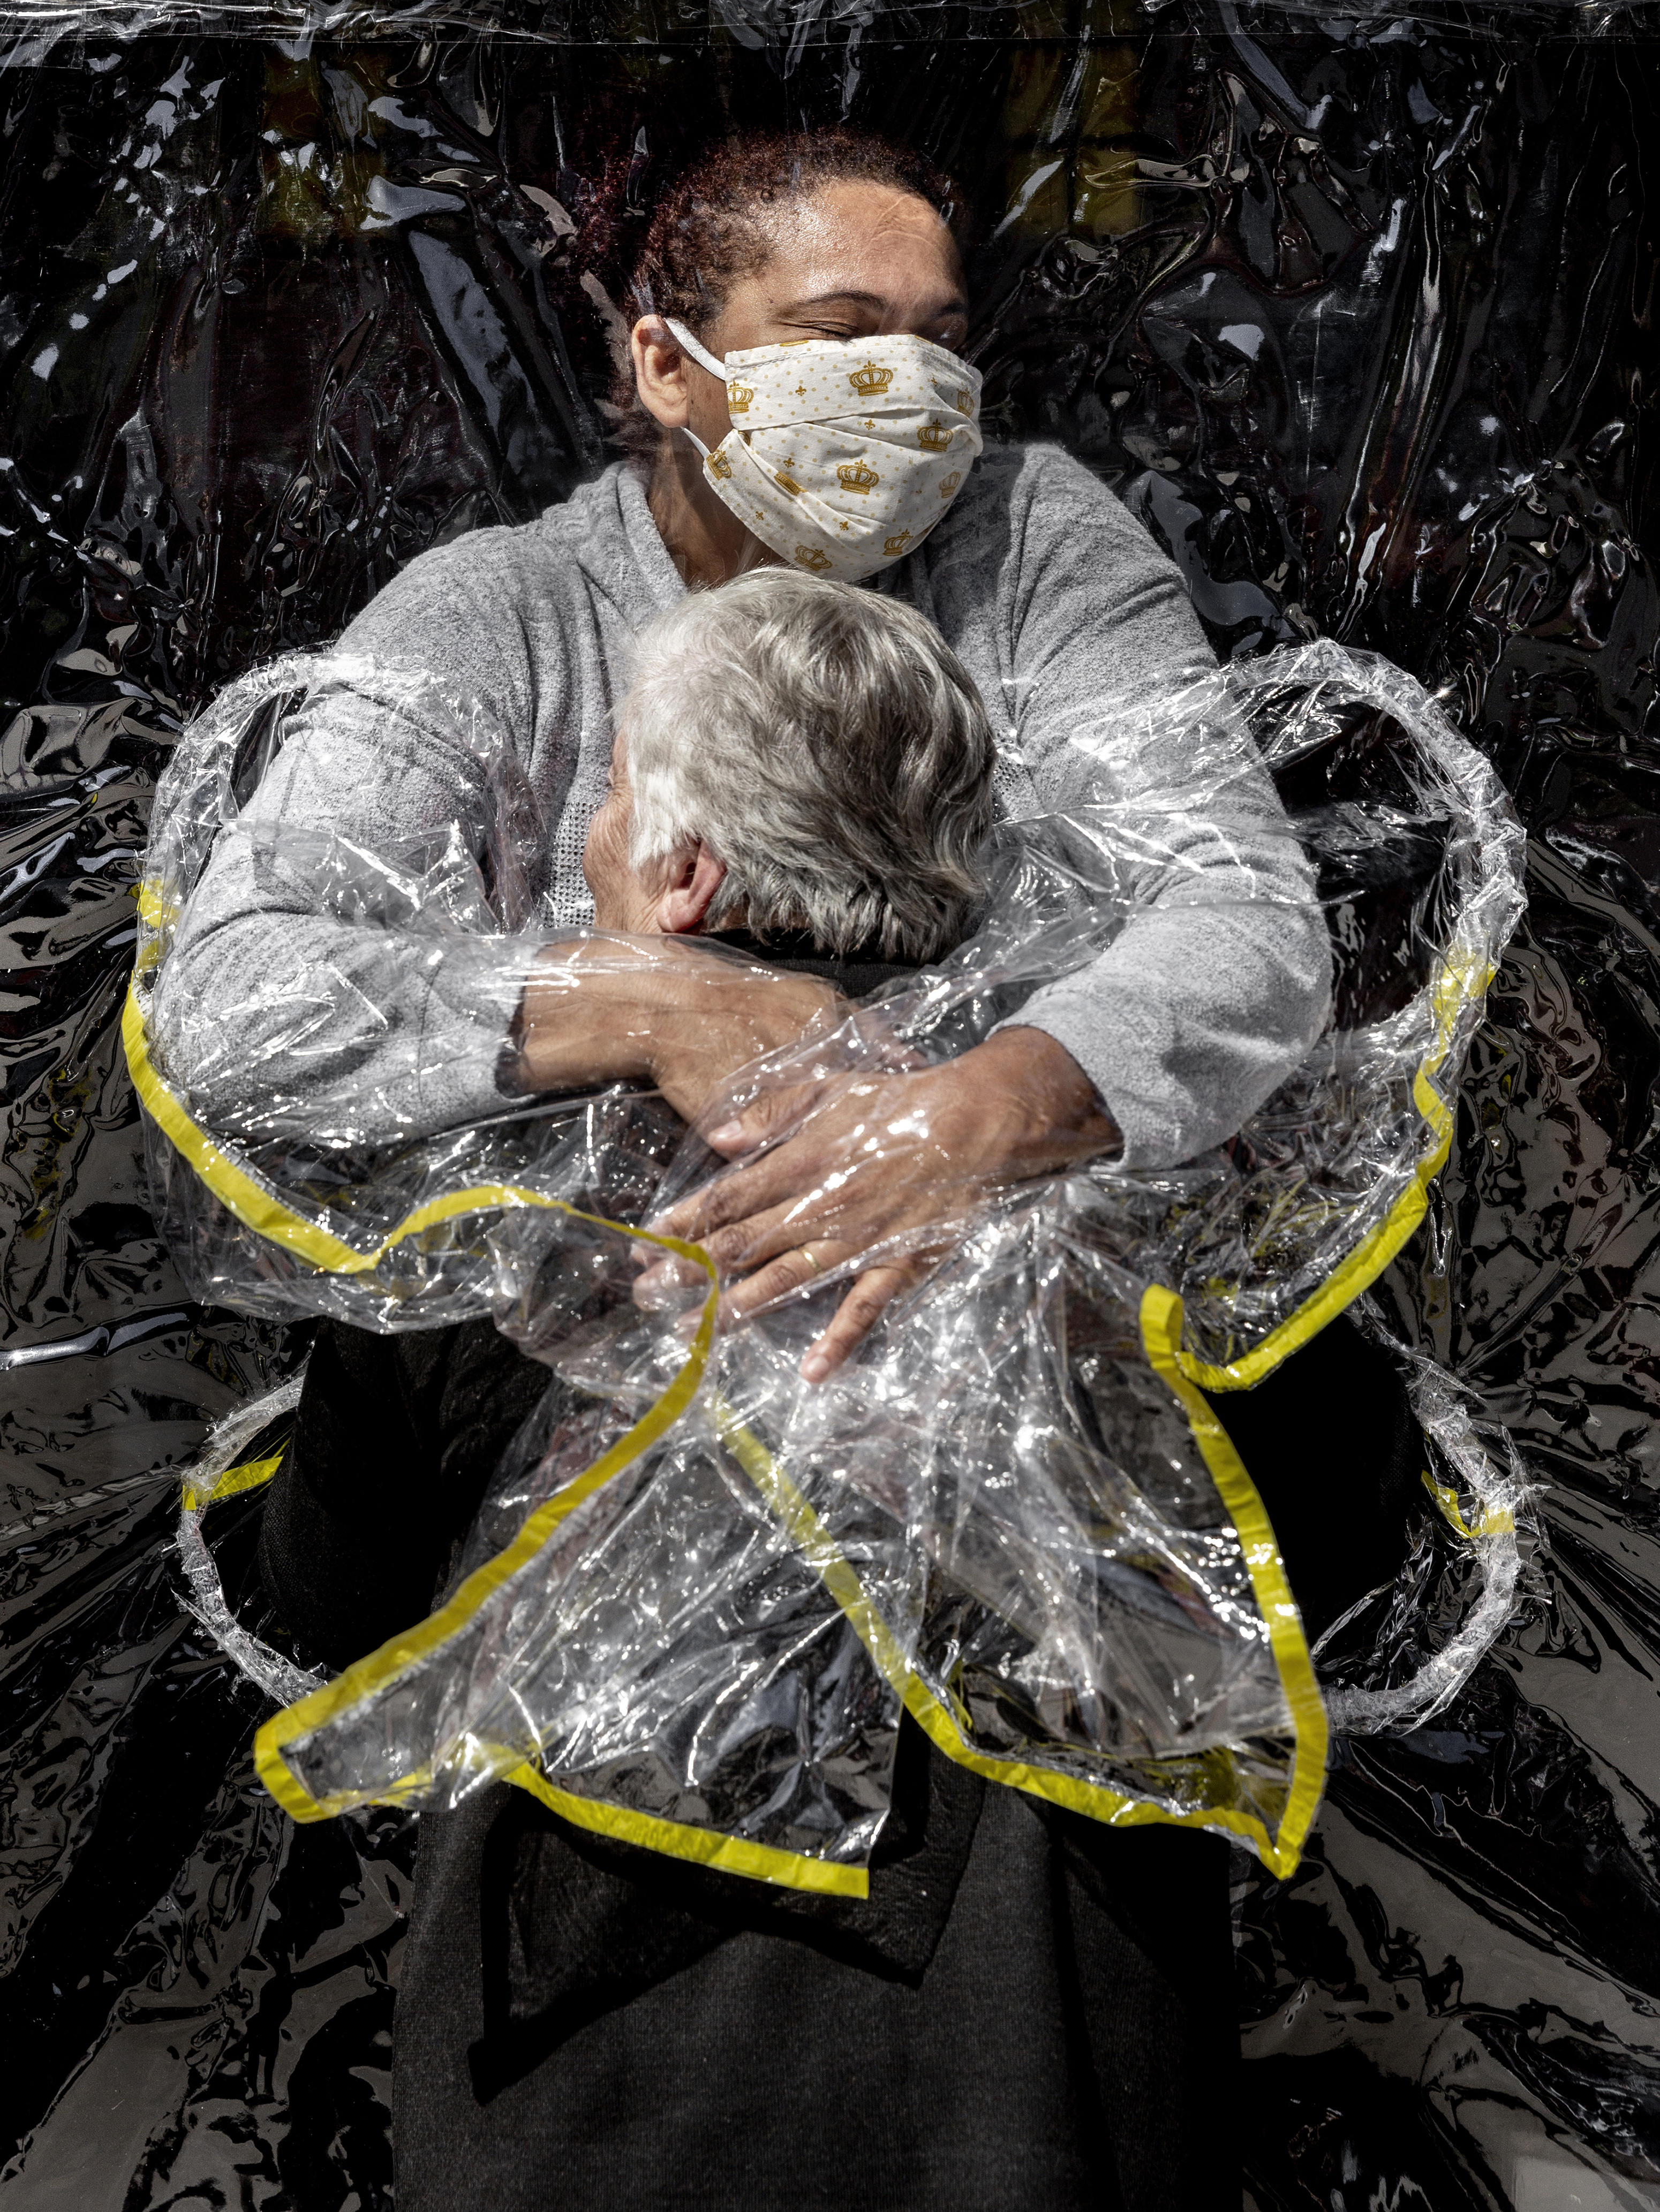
(1161, 1330)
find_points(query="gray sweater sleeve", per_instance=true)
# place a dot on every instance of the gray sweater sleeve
(288, 1008)
(1219, 979)
(299, 1000)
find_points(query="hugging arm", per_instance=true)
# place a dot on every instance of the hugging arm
(317, 991)
(1220, 978)
(314, 988)
(286, 1007)
(1216, 982)
(298, 1002)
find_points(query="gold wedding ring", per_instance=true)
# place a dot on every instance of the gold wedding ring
(807, 1252)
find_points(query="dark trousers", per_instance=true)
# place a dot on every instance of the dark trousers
(582, 2026)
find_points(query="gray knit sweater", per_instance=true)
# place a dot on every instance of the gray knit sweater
(273, 1007)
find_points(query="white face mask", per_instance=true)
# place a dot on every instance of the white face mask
(843, 453)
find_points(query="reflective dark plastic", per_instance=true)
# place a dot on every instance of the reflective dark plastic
(1357, 312)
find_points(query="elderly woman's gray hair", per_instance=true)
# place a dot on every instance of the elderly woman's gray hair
(827, 745)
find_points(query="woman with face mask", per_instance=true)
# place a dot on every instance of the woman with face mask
(1032, 2013)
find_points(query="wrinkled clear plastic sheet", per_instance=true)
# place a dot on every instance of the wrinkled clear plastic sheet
(1351, 311)
(1000, 1510)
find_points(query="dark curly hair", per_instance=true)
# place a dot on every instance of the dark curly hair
(679, 253)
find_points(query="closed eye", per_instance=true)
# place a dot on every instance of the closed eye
(849, 316)
(841, 333)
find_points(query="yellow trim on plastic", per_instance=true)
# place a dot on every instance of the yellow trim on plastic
(1161, 1332)
(806, 1531)
(266, 1214)
(248, 1476)
(372, 1672)
(159, 913)
(1452, 987)
(1499, 1521)
(1161, 1317)
(260, 1209)
(708, 1847)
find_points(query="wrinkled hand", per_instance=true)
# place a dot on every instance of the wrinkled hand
(615, 1009)
(857, 1162)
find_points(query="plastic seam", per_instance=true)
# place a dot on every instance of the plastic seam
(1161, 1314)
(1495, 1521)
(1096, 1801)
(379, 1667)
(247, 1476)
(269, 1217)
(1453, 989)
(707, 1847)
(259, 1209)
(1161, 1333)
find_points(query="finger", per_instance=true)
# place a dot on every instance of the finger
(757, 1243)
(786, 1174)
(763, 1121)
(747, 1245)
(665, 1287)
(827, 1218)
(876, 1288)
(752, 1243)
(787, 1276)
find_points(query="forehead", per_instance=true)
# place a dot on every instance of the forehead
(860, 238)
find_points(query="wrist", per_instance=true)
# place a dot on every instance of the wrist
(1053, 1102)
(591, 1012)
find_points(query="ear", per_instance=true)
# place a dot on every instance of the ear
(698, 874)
(660, 373)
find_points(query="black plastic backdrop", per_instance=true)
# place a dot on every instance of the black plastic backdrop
(1357, 312)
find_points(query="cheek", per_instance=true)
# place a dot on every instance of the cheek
(708, 415)
(607, 867)
(600, 852)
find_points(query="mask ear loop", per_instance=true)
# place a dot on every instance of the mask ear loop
(701, 354)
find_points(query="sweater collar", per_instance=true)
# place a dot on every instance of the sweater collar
(645, 540)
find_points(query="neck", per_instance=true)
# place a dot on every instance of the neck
(705, 541)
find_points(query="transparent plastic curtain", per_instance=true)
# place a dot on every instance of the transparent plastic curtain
(1006, 1512)
(1353, 311)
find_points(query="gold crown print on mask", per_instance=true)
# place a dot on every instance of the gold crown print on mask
(842, 455)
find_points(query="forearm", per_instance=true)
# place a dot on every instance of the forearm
(1191, 1018)
(595, 1011)
(1047, 1112)
(320, 982)
(1219, 978)
(287, 1025)
(661, 1009)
